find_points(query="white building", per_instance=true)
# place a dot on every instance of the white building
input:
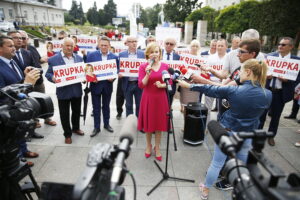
(221, 4)
(32, 12)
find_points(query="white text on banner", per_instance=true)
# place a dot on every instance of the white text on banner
(282, 67)
(130, 67)
(69, 74)
(105, 69)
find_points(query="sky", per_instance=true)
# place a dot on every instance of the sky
(123, 6)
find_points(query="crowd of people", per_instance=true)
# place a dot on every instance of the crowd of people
(244, 92)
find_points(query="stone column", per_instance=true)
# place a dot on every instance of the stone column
(188, 32)
(201, 32)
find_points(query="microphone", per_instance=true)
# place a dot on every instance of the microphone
(187, 73)
(222, 139)
(166, 77)
(151, 64)
(175, 74)
(128, 130)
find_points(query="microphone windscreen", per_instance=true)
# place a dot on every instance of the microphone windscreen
(129, 129)
(171, 71)
(216, 130)
(177, 71)
(165, 72)
(183, 71)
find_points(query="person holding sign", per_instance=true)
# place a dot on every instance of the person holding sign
(101, 90)
(130, 84)
(169, 54)
(69, 95)
(154, 103)
(282, 89)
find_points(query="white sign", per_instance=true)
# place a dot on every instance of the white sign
(105, 69)
(130, 67)
(86, 42)
(191, 61)
(57, 45)
(182, 50)
(161, 33)
(175, 64)
(69, 74)
(282, 67)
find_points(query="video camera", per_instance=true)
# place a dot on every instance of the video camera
(18, 108)
(104, 173)
(249, 180)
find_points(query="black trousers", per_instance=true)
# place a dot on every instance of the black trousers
(64, 111)
(295, 108)
(277, 106)
(120, 98)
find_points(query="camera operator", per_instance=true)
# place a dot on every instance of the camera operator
(11, 73)
(242, 115)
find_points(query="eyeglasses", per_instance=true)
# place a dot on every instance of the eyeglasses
(17, 38)
(24, 38)
(282, 44)
(132, 41)
(60, 38)
(242, 51)
(169, 43)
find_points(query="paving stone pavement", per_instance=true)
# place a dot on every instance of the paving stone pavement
(59, 162)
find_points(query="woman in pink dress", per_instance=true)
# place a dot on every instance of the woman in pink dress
(154, 103)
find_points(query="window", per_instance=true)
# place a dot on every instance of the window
(2, 16)
(52, 15)
(11, 13)
(25, 14)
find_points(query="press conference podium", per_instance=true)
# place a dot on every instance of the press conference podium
(195, 123)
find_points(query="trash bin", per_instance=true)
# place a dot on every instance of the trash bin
(195, 123)
(36, 42)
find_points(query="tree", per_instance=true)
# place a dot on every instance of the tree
(101, 14)
(178, 10)
(227, 20)
(149, 16)
(93, 15)
(110, 10)
(76, 13)
(74, 10)
(80, 15)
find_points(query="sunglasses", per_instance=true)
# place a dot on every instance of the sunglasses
(242, 51)
(132, 41)
(17, 38)
(282, 44)
(169, 43)
(24, 38)
(60, 38)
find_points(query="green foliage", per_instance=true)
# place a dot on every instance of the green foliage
(102, 20)
(76, 14)
(93, 15)
(110, 10)
(149, 16)
(226, 21)
(68, 18)
(34, 32)
(178, 10)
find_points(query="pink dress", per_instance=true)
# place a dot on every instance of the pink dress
(154, 103)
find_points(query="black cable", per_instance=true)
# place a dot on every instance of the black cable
(134, 185)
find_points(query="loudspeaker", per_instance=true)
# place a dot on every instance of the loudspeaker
(195, 123)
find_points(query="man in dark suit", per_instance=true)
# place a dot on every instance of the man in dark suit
(69, 95)
(10, 73)
(130, 84)
(282, 89)
(101, 89)
(24, 59)
(169, 54)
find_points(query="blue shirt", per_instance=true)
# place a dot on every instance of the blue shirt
(247, 104)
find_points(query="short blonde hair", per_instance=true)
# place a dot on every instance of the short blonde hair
(150, 48)
(195, 43)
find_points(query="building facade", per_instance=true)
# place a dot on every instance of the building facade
(32, 12)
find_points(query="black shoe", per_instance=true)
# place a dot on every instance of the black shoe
(37, 136)
(223, 185)
(298, 121)
(92, 114)
(290, 117)
(119, 116)
(109, 128)
(95, 132)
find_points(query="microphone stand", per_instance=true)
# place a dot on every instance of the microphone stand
(165, 174)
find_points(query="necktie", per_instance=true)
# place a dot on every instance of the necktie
(273, 83)
(20, 58)
(168, 56)
(13, 66)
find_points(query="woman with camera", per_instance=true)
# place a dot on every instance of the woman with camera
(248, 101)
(154, 103)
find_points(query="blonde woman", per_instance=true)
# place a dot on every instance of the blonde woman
(154, 103)
(242, 115)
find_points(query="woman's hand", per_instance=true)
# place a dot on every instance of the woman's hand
(159, 84)
(148, 70)
(183, 84)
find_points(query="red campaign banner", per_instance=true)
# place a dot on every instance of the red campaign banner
(182, 50)
(283, 67)
(129, 67)
(57, 45)
(69, 74)
(191, 61)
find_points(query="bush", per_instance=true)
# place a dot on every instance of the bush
(34, 32)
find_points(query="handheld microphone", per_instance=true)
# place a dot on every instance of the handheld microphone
(151, 64)
(187, 73)
(175, 74)
(126, 139)
(166, 77)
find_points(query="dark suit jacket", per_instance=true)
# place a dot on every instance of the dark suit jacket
(175, 57)
(69, 91)
(96, 88)
(124, 54)
(287, 87)
(204, 53)
(29, 61)
(8, 76)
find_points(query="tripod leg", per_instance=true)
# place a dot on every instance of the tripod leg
(173, 130)
(36, 186)
(160, 182)
(182, 179)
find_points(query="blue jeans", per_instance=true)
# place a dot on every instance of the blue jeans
(219, 159)
(133, 90)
